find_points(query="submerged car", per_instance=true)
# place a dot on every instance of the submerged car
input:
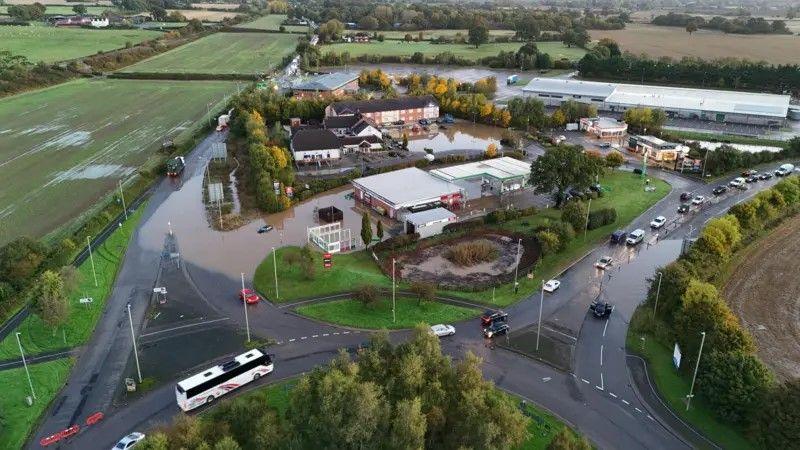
(264, 229)
(129, 441)
(489, 317)
(719, 190)
(684, 208)
(604, 263)
(658, 222)
(635, 237)
(698, 200)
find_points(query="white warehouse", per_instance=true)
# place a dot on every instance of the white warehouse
(688, 103)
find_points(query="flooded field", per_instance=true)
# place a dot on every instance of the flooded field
(457, 136)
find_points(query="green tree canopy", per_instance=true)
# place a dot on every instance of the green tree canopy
(562, 167)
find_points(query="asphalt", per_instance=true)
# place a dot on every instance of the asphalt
(595, 395)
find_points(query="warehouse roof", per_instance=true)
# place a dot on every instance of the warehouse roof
(325, 82)
(667, 97)
(498, 168)
(406, 186)
(430, 215)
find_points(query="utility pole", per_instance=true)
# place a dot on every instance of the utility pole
(91, 258)
(516, 269)
(394, 313)
(133, 339)
(122, 196)
(658, 291)
(705, 163)
(539, 324)
(244, 303)
(696, 366)
(25, 363)
(588, 210)
(275, 268)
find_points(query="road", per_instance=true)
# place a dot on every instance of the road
(596, 395)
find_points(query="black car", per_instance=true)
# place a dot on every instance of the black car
(601, 309)
(604, 145)
(684, 208)
(495, 329)
(719, 190)
(424, 122)
(686, 196)
(765, 176)
(491, 317)
(752, 179)
(618, 237)
(265, 229)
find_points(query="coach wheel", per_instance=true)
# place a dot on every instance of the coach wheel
(256, 376)
(210, 399)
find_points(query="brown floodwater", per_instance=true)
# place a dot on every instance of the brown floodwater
(457, 136)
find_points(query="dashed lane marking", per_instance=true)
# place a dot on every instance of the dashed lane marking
(303, 338)
(335, 334)
(345, 332)
(598, 388)
(626, 402)
(326, 334)
(637, 409)
(612, 394)
(292, 340)
(314, 336)
(585, 380)
(651, 417)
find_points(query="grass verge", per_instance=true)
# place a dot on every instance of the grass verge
(17, 417)
(37, 337)
(672, 387)
(352, 313)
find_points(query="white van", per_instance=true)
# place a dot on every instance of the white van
(784, 169)
(635, 237)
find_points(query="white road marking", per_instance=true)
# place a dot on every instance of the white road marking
(601, 356)
(598, 388)
(345, 332)
(182, 327)
(604, 328)
(612, 394)
(302, 338)
(585, 380)
(546, 379)
(602, 383)
(626, 402)
(292, 340)
(335, 334)
(316, 335)
(637, 409)
(326, 334)
(651, 417)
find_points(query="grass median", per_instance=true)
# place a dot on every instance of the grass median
(18, 419)
(37, 337)
(353, 313)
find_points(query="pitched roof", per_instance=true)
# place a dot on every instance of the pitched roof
(314, 139)
(357, 140)
(325, 82)
(386, 104)
(361, 125)
(341, 121)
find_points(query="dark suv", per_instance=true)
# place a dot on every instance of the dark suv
(686, 196)
(495, 329)
(601, 309)
(490, 317)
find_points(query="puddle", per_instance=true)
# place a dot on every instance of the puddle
(72, 139)
(94, 172)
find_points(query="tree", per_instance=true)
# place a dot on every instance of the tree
(562, 167)
(778, 422)
(675, 280)
(549, 241)
(424, 291)
(369, 23)
(307, 262)
(566, 440)
(405, 141)
(20, 261)
(478, 33)
(408, 426)
(27, 12)
(49, 299)
(379, 230)
(691, 27)
(366, 229)
(367, 295)
(491, 151)
(614, 159)
(574, 213)
(159, 14)
(79, 9)
(733, 384)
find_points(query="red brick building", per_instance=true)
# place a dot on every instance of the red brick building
(387, 111)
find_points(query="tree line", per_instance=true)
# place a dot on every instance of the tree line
(739, 25)
(726, 159)
(732, 380)
(606, 62)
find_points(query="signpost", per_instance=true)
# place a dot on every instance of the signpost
(327, 260)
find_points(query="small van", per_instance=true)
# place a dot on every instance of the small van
(635, 237)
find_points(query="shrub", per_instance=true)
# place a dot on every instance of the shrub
(367, 295)
(423, 290)
(396, 243)
(601, 217)
(574, 213)
(467, 254)
(467, 225)
(549, 241)
(733, 383)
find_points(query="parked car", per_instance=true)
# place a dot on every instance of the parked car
(749, 173)
(719, 190)
(495, 329)
(684, 208)
(551, 285)
(604, 145)
(399, 122)
(765, 176)
(742, 187)
(249, 296)
(635, 237)
(686, 196)
(601, 309)
(596, 188)
(489, 317)
(637, 171)
(736, 182)
(604, 263)
(129, 441)
(752, 179)
(424, 122)
(442, 330)
(264, 229)
(618, 237)
(658, 222)
(698, 200)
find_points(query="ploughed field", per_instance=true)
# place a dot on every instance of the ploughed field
(65, 147)
(222, 53)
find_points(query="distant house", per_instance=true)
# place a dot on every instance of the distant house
(361, 38)
(72, 21)
(387, 111)
(338, 136)
(657, 149)
(99, 22)
(315, 145)
(355, 125)
(328, 85)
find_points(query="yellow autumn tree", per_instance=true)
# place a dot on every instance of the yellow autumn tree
(279, 156)
(486, 109)
(491, 151)
(505, 118)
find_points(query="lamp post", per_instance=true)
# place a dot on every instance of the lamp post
(394, 313)
(588, 210)
(705, 163)
(275, 267)
(122, 197)
(658, 291)
(91, 258)
(25, 363)
(696, 366)
(244, 303)
(516, 269)
(539, 323)
(133, 340)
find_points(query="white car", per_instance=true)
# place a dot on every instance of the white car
(737, 182)
(658, 222)
(552, 285)
(443, 330)
(129, 441)
(635, 237)
(698, 200)
(604, 263)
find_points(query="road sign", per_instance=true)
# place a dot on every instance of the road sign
(327, 260)
(676, 356)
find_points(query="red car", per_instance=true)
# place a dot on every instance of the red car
(249, 296)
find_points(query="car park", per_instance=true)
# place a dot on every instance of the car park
(442, 330)
(698, 200)
(618, 237)
(489, 317)
(658, 222)
(601, 309)
(686, 196)
(551, 285)
(129, 441)
(495, 329)
(684, 208)
(604, 263)
(249, 296)
(635, 237)
(719, 190)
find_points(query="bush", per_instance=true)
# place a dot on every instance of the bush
(471, 253)
(367, 295)
(423, 290)
(549, 241)
(467, 225)
(574, 213)
(602, 217)
(733, 384)
(396, 243)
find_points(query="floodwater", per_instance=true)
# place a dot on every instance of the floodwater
(457, 136)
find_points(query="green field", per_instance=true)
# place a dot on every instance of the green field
(433, 34)
(64, 147)
(51, 44)
(271, 22)
(18, 419)
(556, 50)
(66, 9)
(247, 53)
(352, 313)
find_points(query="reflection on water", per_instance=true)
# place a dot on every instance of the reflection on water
(457, 136)
(236, 251)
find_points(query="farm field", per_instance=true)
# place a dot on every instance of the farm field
(216, 5)
(50, 44)
(56, 2)
(675, 42)
(271, 22)
(556, 50)
(65, 9)
(433, 34)
(247, 53)
(64, 147)
(205, 16)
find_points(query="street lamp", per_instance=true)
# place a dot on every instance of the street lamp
(539, 324)
(91, 258)
(394, 314)
(516, 269)
(658, 291)
(133, 341)
(244, 303)
(275, 268)
(25, 363)
(696, 366)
